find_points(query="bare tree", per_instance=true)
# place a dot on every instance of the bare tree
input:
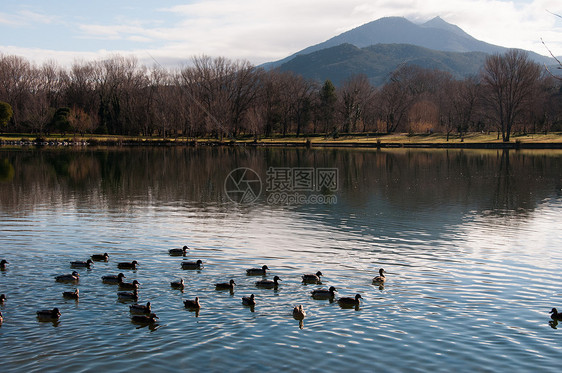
(356, 93)
(553, 56)
(15, 85)
(509, 80)
(395, 99)
(459, 104)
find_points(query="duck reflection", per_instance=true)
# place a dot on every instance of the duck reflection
(55, 323)
(195, 311)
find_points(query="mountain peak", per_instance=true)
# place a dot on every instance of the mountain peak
(435, 22)
(440, 23)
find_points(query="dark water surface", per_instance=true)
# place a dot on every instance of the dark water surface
(470, 240)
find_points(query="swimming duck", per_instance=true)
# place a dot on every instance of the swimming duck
(3, 264)
(86, 264)
(113, 279)
(257, 271)
(298, 312)
(2, 298)
(1, 318)
(49, 315)
(192, 265)
(127, 265)
(71, 294)
(177, 284)
(100, 257)
(225, 285)
(73, 277)
(129, 285)
(381, 278)
(312, 278)
(324, 293)
(140, 308)
(193, 304)
(178, 252)
(125, 295)
(347, 301)
(249, 301)
(555, 315)
(144, 319)
(269, 283)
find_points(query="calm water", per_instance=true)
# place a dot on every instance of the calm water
(470, 240)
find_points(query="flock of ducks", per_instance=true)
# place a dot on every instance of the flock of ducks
(143, 314)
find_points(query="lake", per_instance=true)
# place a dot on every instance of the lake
(470, 241)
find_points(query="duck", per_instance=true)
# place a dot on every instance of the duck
(324, 293)
(177, 284)
(49, 315)
(193, 304)
(113, 279)
(269, 283)
(127, 265)
(72, 277)
(257, 271)
(144, 319)
(192, 265)
(249, 301)
(3, 263)
(348, 301)
(1, 318)
(71, 294)
(225, 285)
(312, 278)
(555, 315)
(2, 298)
(140, 308)
(298, 312)
(381, 278)
(125, 295)
(129, 285)
(100, 257)
(86, 264)
(178, 252)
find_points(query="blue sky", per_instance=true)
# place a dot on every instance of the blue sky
(173, 31)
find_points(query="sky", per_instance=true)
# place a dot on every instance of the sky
(172, 31)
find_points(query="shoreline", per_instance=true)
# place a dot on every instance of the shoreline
(470, 141)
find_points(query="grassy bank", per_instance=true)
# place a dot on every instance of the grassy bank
(374, 140)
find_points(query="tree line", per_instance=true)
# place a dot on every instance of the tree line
(222, 98)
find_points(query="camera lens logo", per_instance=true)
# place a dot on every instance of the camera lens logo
(242, 185)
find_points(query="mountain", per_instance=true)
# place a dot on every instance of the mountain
(436, 35)
(378, 61)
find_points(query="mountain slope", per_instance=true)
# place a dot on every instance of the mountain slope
(378, 61)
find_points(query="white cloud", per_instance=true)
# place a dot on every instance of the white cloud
(27, 17)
